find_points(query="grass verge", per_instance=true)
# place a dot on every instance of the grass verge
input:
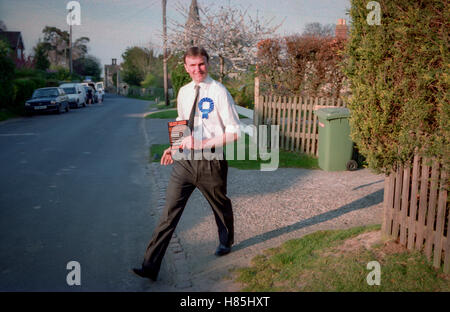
(161, 104)
(5, 114)
(318, 262)
(169, 114)
(156, 151)
(138, 97)
(157, 102)
(287, 159)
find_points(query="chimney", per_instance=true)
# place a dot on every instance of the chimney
(114, 61)
(341, 29)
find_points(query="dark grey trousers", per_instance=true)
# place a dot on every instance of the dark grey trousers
(210, 177)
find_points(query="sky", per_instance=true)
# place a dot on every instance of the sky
(114, 25)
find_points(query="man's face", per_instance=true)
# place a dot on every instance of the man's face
(196, 67)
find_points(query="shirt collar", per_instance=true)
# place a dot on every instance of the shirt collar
(204, 83)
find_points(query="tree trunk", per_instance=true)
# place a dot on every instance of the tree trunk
(166, 83)
(221, 68)
(70, 52)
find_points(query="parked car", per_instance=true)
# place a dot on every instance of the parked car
(47, 99)
(76, 94)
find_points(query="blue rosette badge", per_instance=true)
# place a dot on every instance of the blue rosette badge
(206, 110)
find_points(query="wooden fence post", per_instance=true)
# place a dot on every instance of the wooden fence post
(257, 109)
(388, 204)
(412, 229)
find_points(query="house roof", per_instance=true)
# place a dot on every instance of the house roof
(14, 38)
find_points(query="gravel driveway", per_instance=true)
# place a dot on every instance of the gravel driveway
(269, 208)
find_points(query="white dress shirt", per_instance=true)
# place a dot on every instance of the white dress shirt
(216, 112)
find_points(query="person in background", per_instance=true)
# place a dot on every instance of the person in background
(90, 96)
(100, 95)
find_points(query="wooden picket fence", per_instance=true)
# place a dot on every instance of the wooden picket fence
(296, 118)
(416, 209)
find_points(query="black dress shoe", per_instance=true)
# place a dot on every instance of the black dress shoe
(222, 250)
(144, 274)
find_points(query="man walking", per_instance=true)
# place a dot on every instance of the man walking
(213, 123)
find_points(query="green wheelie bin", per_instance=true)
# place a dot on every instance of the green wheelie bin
(335, 144)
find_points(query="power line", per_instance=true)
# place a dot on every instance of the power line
(122, 19)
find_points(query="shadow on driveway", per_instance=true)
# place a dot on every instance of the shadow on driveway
(365, 202)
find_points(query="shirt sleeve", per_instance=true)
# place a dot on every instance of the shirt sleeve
(179, 106)
(228, 112)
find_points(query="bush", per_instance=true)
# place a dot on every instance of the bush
(62, 74)
(28, 72)
(6, 76)
(146, 93)
(23, 88)
(52, 83)
(88, 66)
(305, 65)
(242, 95)
(150, 80)
(242, 88)
(25, 82)
(179, 78)
(39, 82)
(399, 74)
(41, 56)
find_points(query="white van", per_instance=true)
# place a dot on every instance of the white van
(99, 85)
(76, 94)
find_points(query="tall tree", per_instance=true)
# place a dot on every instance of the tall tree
(58, 45)
(41, 56)
(318, 29)
(230, 34)
(138, 62)
(87, 66)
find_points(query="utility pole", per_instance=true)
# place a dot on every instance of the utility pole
(117, 81)
(70, 51)
(70, 42)
(166, 82)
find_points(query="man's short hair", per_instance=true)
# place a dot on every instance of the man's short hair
(196, 51)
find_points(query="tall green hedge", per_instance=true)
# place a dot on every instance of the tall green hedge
(6, 75)
(399, 76)
(23, 90)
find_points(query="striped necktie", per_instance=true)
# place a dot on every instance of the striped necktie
(194, 107)
(191, 117)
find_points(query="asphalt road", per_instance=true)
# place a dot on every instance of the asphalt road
(74, 188)
(79, 187)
